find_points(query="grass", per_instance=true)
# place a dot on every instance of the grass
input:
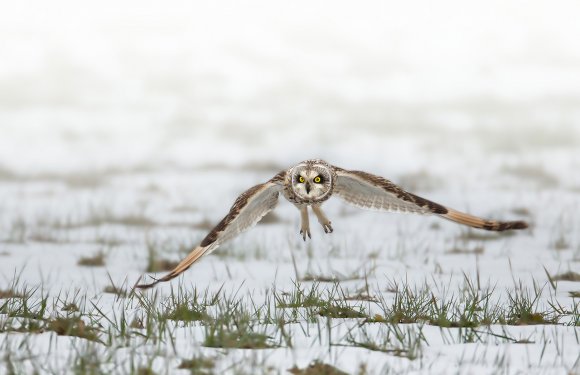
(567, 276)
(8, 293)
(472, 308)
(560, 243)
(523, 308)
(186, 307)
(95, 260)
(234, 326)
(331, 303)
(391, 324)
(469, 235)
(317, 368)
(112, 289)
(72, 326)
(461, 250)
(397, 340)
(199, 365)
(155, 263)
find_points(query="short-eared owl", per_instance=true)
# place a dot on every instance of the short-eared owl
(311, 183)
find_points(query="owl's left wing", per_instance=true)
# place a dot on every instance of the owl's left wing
(369, 191)
(246, 211)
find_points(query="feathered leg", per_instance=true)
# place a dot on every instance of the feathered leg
(304, 222)
(322, 219)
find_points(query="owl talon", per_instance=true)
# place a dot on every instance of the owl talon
(327, 228)
(304, 233)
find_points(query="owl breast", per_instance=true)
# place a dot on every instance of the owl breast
(289, 194)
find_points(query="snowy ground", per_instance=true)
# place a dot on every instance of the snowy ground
(127, 134)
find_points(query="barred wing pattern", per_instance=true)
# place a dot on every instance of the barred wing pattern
(373, 192)
(247, 211)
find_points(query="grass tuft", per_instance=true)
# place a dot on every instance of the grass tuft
(96, 260)
(198, 365)
(9, 293)
(73, 326)
(155, 263)
(112, 289)
(317, 368)
(567, 276)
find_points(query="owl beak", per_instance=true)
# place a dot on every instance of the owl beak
(307, 186)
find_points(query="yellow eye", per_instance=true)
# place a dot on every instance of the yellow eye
(317, 179)
(301, 179)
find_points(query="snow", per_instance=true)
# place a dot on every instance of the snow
(129, 124)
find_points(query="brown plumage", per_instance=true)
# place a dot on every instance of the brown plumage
(311, 183)
(476, 222)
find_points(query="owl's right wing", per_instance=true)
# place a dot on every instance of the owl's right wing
(373, 192)
(248, 209)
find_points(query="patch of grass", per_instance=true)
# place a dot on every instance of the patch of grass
(356, 275)
(198, 365)
(73, 326)
(27, 305)
(560, 243)
(236, 329)
(317, 368)
(185, 307)
(299, 297)
(236, 324)
(473, 235)
(155, 263)
(343, 312)
(409, 306)
(567, 276)
(521, 211)
(22, 326)
(574, 294)
(145, 371)
(362, 296)
(96, 260)
(470, 309)
(9, 293)
(112, 289)
(435, 226)
(330, 303)
(220, 337)
(523, 308)
(87, 358)
(459, 250)
(393, 339)
(70, 307)
(186, 313)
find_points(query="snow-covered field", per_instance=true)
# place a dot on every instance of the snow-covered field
(127, 131)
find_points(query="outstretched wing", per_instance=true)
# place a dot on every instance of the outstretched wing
(247, 210)
(369, 191)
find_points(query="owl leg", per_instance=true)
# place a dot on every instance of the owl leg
(322, 219)
(304, 222)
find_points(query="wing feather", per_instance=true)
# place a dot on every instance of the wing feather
(369, 191)
(247, 211)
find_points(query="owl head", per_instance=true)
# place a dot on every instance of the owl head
(312, 180)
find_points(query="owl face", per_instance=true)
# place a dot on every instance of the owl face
(312, 182)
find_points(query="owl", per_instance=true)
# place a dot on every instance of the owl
(308, 185)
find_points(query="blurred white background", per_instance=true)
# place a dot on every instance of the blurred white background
(105, 85)
(128, 128)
